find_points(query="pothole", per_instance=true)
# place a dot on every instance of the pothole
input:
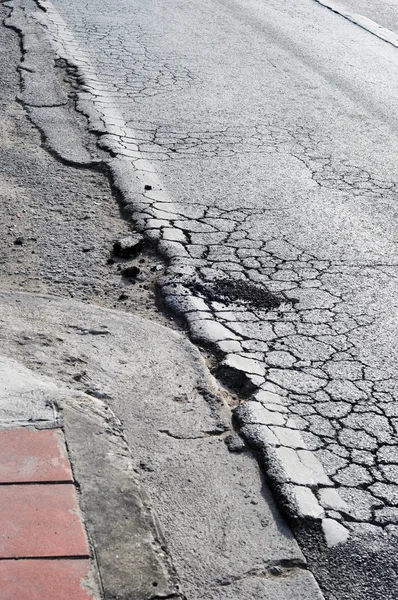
(239, 292)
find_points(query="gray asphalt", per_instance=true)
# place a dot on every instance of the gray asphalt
(384, 12)
(273, 129)
(283, 124)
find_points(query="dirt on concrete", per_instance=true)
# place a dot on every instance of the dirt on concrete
(60, 223)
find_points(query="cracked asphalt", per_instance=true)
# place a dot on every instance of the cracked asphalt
(276, 194)
(256, 143)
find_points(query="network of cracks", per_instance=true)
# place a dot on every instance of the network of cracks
(275, 310)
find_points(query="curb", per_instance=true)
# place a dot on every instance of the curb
(371, 26)
(128, 546)
(298, 477)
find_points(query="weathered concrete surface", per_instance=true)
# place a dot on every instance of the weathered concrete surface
(66, 219)
(129, 547)
(66, 222)
(64, 250)
(222, 532)
(329, 237)
(24, 397)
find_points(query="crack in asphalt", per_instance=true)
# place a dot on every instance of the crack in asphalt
(307, 349)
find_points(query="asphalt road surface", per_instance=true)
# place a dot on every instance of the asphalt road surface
(269, 133)
(384, 13)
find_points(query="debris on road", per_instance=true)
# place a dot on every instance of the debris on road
(128, 246)
(132, 271)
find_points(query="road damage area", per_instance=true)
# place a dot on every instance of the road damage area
(293, 327)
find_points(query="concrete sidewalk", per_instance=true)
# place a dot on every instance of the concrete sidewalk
(173, 503)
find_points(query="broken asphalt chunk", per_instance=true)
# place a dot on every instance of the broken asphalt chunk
(132, 271)
(128, 246)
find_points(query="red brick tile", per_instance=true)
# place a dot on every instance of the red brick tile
(33, 455)
(40, 520)
(44, 580)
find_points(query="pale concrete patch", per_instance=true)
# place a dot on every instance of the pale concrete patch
(25, 396)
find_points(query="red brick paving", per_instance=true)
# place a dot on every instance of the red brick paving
(44, 580)
(39, 519)
(33, 455)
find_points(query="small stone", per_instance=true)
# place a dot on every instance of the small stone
(18, 241)
(78, 376)
(276, 570)
(147, 187)
(132, 271)
(235, 443)
(128, 246)
(110, 261)
(123, 296)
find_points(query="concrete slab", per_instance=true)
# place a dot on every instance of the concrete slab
(25, 396)
(216, 516)
(295, 584)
